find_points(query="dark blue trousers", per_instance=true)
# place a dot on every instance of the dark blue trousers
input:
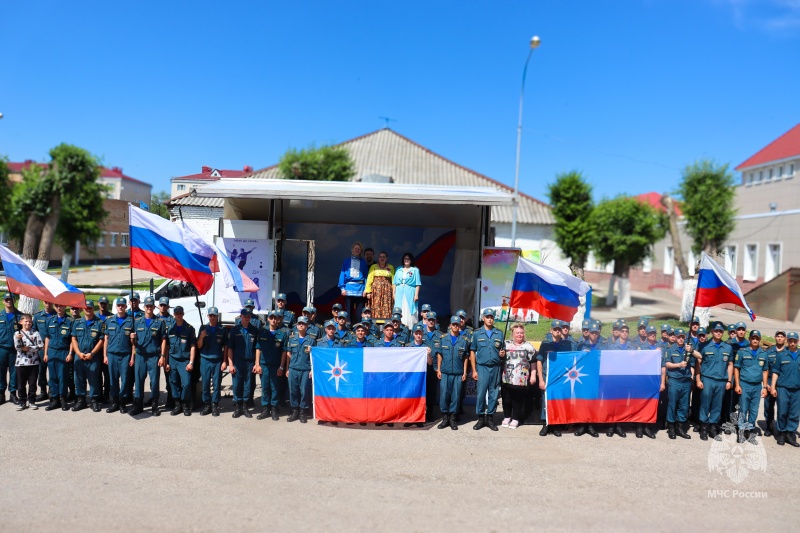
(119, 373)
(179, 380)
(211, 376)
(145, 365)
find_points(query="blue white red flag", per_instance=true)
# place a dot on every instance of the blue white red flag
(547, 291)
(161, 247)
(22, 278)
(715, 286)
(369, 384)
(607, 386)
(232, 275)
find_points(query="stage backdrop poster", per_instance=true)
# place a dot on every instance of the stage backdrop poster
(254, 257)
(497, 275)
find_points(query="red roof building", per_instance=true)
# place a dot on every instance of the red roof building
(184, 184)
(654, 199)
(782, 149)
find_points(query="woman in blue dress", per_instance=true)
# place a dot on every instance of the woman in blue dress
(352, 280)
(407, 282)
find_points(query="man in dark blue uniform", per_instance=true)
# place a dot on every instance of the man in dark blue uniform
(298, 355)
(714, 375)
(678, 365)
(750, 375)
(452, 353)
(641, 330)
(269, 354)
(401, 332)
(342, 333)
(288, 316)
(87, 347)
(57, 346)
(557, 344)
(40, 320)
(150, 338)
(169, 321)
(769, 401)
(118, 354)
(330, 339)
(182, 355)
(242, 340)
(8, 354)
(211, 341)
(389, 339)
(786, 388)
(487, 350)
(104, 314)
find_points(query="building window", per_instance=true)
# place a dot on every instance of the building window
(123, 239)
(181, 187)
(750, 262)
(769, 175)
(760, 176)
(772, 265)
(647, 264)
(730, 259)
(102, 241)
(113, 239)
(749, 179)
(780, 172)
(3, 238)
(691, 263)
(791, 171)
(669, 260)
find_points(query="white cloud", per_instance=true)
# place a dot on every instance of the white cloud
(772, 15)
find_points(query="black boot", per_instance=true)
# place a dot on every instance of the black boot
(113, 408)
(591, 431)
(187, 409)
(791, 439)
(481, 423)
(671, 430)
(265, 413)
(214, 409)
(639, 431)
(12, 397)
(618, 431)
(555, 430)
(206, 410)
(648, 432)
(768, 428)
(703, 431)
(64, 404)
(453, 423)
(237, 412)
(122, 406)
(294, 416)
(543, 431)
(95, 406)
(246, 412)
(80, 405)
(742, 436)
(713, 431)
(138, 407)
(276, 416)
(55, 403)
(177, 409)
(779, 438)
(42, 396)
(154, 411)
(3, 398)
(445, 421)
(681, 431)
(490, 422)
(581, 430)
(304, 417)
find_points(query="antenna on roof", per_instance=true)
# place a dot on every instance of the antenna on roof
(387, 120)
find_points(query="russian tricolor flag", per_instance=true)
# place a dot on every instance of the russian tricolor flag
(608, 386)
(369, 384)
(715, 286)
(161, 247)
(547, 291)
(232, 275)
(22, 278)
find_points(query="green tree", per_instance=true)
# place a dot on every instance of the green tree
(571, 198)
(326, 163)
(624, 231)
(158, 204)
(53, 196)
(707, 193)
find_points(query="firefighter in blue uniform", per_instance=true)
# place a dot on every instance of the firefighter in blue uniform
(342, 333)
(40, 324)
(389, 339)
(330, 339)
(769, 401)
(104, 314)
(452, 354)
(557, 344)
(487, 350)
(211, 342)
(169, 321)
(750, 375)
(241, 355)
(118, 354)
(57, 354)
(150, 339)
(401, 332)
(288, 316)
(418, 341)
(713, 375)
(641, 330)
(270, 346)
(593, 342)
(136, 312)
(786, 388)
(182, 355)
(363, 338)
(8, 353)
(432, 338)
(87, 346)
(255, 321)
(297, 358)
(678, 364)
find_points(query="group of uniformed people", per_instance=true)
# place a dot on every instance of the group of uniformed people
(703, 376)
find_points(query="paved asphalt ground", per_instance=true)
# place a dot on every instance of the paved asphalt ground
(65, 471)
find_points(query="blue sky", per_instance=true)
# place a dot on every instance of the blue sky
(626, 91)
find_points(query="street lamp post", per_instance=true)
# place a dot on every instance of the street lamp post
(535, 42)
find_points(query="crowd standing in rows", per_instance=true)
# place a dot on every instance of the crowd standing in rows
(704, 377)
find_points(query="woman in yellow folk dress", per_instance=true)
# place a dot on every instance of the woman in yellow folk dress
(379, 290)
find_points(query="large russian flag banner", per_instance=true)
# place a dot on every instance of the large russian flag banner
(715, 286)
(22, 278)
(547, 291)
(607, 386)
(161, 247)
(369, 384)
